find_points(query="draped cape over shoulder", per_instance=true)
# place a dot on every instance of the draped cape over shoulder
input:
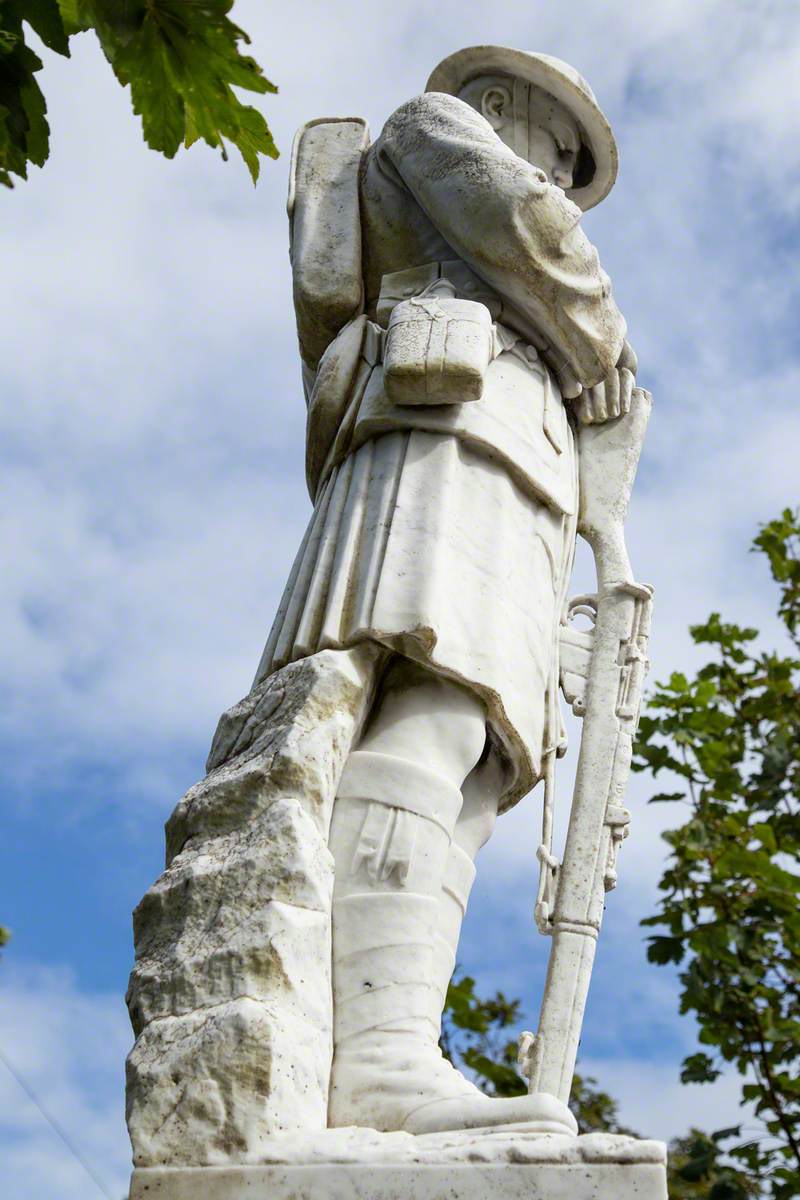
(439, 183)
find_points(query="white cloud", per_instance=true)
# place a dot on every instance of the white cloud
(69, 1047)
(653, 1101)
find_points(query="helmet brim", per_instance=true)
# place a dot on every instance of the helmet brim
(551, 76)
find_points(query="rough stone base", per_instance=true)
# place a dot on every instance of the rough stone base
(230, 997)
(471, 1165)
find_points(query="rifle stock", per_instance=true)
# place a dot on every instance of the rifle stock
(609, 456)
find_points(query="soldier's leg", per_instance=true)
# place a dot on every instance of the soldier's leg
(392, 837)
(424, 718)
(481, 792)
(447, 723)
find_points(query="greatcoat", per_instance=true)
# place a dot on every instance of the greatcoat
(446, 532)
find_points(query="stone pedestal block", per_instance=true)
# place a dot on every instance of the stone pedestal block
(645, 1181)
(359, 1164)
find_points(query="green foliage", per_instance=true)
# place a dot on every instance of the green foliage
(180, 58)
(699, 1170)
(5, 936)
(24, 132)
(729, 912)
(475, 1038)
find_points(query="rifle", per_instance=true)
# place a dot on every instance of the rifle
(602, 673)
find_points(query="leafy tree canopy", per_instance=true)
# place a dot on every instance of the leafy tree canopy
(699, 1169)
(729, 911)
(180, 58)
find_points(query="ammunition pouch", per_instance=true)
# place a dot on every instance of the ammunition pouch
(437, 350)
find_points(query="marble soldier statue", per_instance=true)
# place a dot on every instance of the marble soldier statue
(444, 532)
(456, 333)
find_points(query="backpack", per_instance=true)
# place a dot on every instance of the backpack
(325, 230)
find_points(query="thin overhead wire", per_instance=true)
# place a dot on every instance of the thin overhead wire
(54, 1125)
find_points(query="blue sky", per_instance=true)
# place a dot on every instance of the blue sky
(152, 457)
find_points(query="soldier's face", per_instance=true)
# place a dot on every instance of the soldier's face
(553, 140)
(549, 139)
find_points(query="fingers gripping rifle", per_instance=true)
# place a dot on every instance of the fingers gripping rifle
(602, 674)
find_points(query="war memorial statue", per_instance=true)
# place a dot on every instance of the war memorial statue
(472, 407)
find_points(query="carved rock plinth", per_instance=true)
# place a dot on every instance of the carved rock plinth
(481, 1165)
(230, 997)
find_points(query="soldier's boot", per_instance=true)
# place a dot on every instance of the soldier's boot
(391, 837)
(474, 827)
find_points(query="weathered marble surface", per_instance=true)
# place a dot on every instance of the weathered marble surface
(348, 1164)
(230, 997)
(473, 1181)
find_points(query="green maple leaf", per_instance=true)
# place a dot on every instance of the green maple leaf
(145, 65)
(24, 132)
(76, 15)
(181, 59)
(44, 17)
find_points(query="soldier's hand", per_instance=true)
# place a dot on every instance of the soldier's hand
(611, 398)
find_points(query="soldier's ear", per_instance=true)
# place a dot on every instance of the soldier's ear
(496, 105)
